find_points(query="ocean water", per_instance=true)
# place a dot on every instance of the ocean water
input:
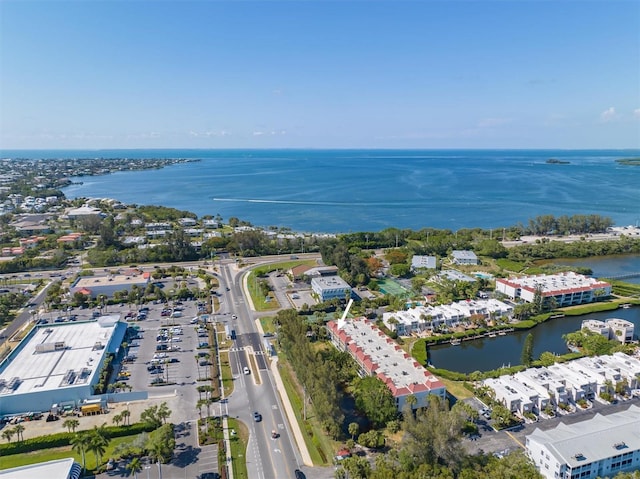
(369, 190)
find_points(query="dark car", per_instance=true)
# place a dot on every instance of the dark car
(257, 417)
(299, 474)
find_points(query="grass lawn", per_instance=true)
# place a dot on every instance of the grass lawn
(239, 443)
(456, 388)
(24, 459)
(320, 446)
(227, 377)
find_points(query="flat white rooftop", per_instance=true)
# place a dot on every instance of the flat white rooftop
(382, 355)
(57, 356)
(57, 469)
(555, 282)
(575, 445)
(89, 282)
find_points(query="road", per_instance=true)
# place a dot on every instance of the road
(266, 457)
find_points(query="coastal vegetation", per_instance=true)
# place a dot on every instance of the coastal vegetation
(629, 161)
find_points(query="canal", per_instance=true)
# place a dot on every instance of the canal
(491, 353)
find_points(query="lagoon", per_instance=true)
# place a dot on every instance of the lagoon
(491, 353)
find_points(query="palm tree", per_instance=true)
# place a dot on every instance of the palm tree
(117, 419)
(18, 430)
(71, 424)
(156, 453)
(164, 412)
(353, 429)
(8, 434)
(80, 443)
(125, 416)
(135, 466)
(198, 366)
(98, 443)
(411, 400)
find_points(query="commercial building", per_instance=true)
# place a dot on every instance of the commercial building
(566, 288)
(58, 364)
(56, 469)
(95, 286)
(380, 356)
(329, 287)
(600, 447)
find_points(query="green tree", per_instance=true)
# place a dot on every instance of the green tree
(126, 414)
(19, 429)
(98, 443)
(375, 400)
(71, 424)
(81, 443)
(135, 466)
(117, 419)
(527, 350)
(161, 445)
(433, 434)
(354, 428)
(8, 434)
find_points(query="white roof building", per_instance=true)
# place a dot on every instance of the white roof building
(420, 261)
(464, 257)
(426, 317)
(329, 287)
(599, 447)
(566, 288)
(612, 328)
(94, 286)
(57, 363)
(378, 355)
(56, 469)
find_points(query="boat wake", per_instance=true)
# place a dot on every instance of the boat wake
(310, 203)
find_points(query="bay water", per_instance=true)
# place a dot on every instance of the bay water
(336, 191)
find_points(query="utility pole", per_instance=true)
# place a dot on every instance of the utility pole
(304, 402)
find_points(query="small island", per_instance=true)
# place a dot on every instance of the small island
(629, 161)
(554, 161)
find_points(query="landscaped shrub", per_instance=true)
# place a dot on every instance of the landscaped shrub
(62, 439)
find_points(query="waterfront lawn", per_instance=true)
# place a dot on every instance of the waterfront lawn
(510, 265)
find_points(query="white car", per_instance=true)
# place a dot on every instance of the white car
(246, 370)
(160, 356)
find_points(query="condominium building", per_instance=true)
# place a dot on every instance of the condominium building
(566, 288)
(600, 447)
(380, 356)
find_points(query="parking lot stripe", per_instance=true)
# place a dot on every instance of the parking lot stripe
(516, 440)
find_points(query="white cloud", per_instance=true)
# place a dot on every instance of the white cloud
(636, 112)
(608, 115)
(209, 134)
(258, 133)
(493, 122)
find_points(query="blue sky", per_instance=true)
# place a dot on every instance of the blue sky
(320, 74)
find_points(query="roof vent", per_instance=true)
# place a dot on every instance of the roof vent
(620, 445)
(579, 456)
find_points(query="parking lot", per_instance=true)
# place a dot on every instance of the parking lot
(162, 353)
